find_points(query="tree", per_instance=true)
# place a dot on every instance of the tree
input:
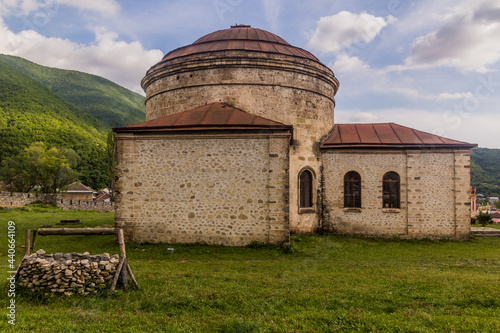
(50, 170)
(56, 169)
(497, 205)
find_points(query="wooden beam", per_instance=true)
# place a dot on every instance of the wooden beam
(117, 275)
(75, 231)
(129, 270)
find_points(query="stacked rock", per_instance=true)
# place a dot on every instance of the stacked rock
(67, 273)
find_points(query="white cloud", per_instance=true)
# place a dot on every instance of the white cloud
(26, 7)
(468, 40)
(342, 30)
(346, 64)
(118, 61)
(364, 117)
(445, 96)
(105, 7)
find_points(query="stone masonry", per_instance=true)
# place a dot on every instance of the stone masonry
(434, 200)
(283, 88)
(216, 188)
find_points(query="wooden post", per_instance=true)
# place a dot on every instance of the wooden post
(122, 266)
(124, 275)
(117, 275)
(33, 240)
(123, 254)
(27, 236)
(27, 242)
(129, 270)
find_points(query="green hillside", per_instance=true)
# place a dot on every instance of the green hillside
(485, 171)
(30, 112)
(101, 98)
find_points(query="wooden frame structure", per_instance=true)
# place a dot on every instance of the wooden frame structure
(123, 269)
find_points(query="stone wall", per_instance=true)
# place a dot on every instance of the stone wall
(17, 200)
(434, 194)
(291, 90)
(215, 188)
(67, 273)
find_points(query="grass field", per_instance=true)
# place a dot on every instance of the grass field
(326, 284)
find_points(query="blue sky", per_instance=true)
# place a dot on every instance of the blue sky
(431, 65)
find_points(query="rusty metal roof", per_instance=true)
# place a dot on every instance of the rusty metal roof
(387, 135)
(214, 116)
(240, 37)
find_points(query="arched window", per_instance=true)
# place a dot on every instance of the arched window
(352, 189)
(390, 187)
(306, 189)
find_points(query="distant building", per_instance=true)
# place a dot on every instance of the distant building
(473, 202)
(493, 199)
(103, 195)
(78, 191)
(496, 217)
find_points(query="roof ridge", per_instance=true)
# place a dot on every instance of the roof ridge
(376, 133)
(340, 134)
(357, 133)
(418, 136)
(176, 118)
(392, 128)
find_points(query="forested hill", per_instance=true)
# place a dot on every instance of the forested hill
(30, 112)
(485, 171)
(100, 98)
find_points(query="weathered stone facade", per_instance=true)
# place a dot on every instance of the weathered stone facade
(200, 177)
(216, 188)
(434, 198)
(282, 87)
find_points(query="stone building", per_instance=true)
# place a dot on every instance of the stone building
(239, 145)
(78, 191)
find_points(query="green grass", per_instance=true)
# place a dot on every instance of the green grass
(327, 284)
(494, 226)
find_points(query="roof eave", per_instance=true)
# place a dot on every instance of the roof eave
(199, 128)
(398, 146)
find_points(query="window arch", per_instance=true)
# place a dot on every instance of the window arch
(306, 189)
(352, 190)
(391, 190)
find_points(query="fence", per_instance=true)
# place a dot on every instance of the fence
(15, 200)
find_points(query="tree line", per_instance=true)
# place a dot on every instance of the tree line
(45, 169)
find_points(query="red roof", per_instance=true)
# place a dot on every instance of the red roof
(214, 116)
(240, 37)
(387, 135)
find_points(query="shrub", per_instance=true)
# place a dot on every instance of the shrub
(484, 218)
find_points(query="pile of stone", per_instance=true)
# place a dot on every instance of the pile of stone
(67, 273)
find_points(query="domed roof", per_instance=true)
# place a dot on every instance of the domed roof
(240, 37)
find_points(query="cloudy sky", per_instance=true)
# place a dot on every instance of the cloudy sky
(432, 65)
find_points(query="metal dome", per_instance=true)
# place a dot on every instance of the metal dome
(240, 37)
